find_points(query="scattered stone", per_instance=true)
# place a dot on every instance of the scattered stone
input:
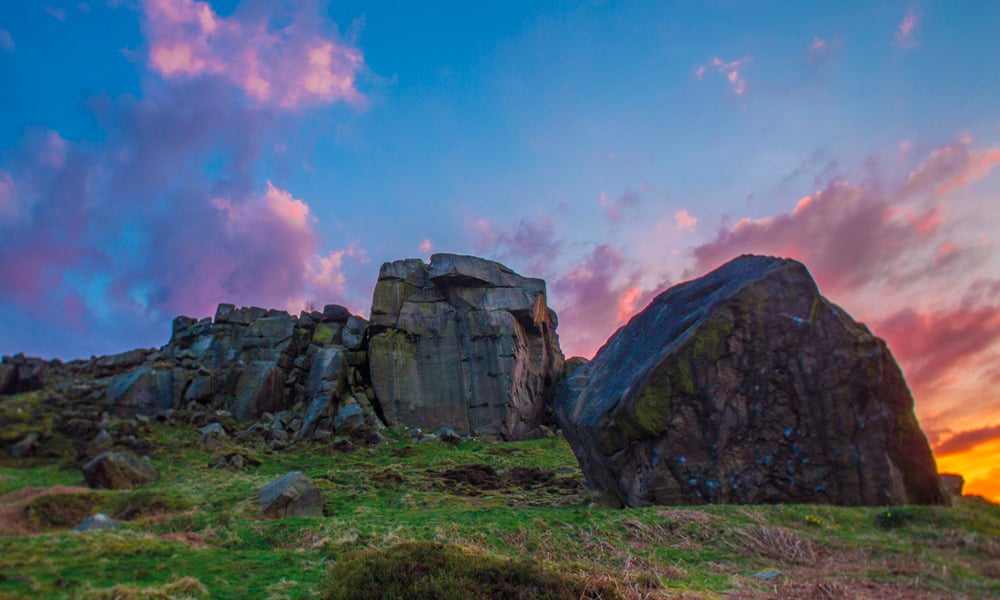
(293, 495)
(464, 343)
(952, 483)
(335, 313)
(103, 438)
(746, 386)
(119, 471)
(768, 575)
(98, 522)
(25, 447)
(448, 435)
(213, 436)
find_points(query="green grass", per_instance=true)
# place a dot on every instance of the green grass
(204, 524)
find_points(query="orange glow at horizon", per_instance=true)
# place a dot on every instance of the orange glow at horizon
(980, 466)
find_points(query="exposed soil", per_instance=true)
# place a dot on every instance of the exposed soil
(477, 476)
(523, 485)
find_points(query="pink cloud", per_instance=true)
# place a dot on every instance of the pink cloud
(933, 344)
(425, 247)
(593, 297)
(289, 67)
(817, 44)
(684, 220)
(6, 40)
(952, 167)
(906, 30)
(854, 234)
(964, 441)
(731, 70)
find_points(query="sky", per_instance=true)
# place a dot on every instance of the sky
(158, 157)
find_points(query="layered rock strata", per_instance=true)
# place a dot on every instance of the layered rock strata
(464, 343)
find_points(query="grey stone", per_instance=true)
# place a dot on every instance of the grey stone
(335, 313)
(463, 343)
(24, 447)
(144, 391)
(259, 389)
(119, 471)
(98, 522)
(352, 422)
(448, 435)
(293, 495)
(353, 333)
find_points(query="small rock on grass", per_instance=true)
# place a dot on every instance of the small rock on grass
(98, 522)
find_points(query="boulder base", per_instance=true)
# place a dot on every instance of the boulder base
(746, 386)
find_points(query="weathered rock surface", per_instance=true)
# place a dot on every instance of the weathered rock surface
(293, 495)
(464, 343)
(119, 471)
(746, 386)
(21, 373)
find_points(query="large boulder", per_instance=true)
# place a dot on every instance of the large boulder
(464, 343)
(119, 471)
(292, 495)
(746, 386)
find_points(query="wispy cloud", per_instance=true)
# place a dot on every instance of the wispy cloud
(907, 29)
(6, 41)
(732, 70)
(56, 13)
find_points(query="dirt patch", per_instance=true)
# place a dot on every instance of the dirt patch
(521, 486)
(530, 477)
(474, 477)
(14, 518)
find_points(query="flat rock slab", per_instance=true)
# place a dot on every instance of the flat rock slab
(747, 386)
(293, 495)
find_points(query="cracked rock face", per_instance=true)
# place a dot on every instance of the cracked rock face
(746, 386)
(464, 343)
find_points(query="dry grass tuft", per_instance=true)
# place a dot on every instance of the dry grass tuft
(185, 588)
(775, 543)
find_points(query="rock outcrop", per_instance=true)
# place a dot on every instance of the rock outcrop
(746, 386)
(464, 343)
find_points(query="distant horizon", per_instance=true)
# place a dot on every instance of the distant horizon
(159, 157)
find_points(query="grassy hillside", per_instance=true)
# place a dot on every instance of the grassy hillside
(492, 518)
